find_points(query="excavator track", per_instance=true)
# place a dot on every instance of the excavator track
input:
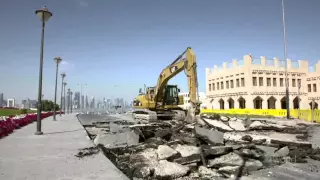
(148, 115)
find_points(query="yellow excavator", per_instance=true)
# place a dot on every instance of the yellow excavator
(163, 100)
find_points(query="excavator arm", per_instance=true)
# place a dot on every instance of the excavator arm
(187, 64)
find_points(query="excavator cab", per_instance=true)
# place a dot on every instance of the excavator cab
(171, 95)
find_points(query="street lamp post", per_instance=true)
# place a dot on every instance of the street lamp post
(71, 101)
(44, 15)
(63, 75)
(68, 107)
(286, 65)
(64, 101)
(57, 60)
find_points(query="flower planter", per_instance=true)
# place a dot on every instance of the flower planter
(9, 124)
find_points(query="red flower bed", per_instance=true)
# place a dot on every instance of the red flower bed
(8, 108)
(8, 125)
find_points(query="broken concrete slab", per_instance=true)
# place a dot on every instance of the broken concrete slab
(236, 137)
(166, 152)
(224, 118)
(184, 137)
(217, 124)
(231, 159)
(117, 140)
(237, 125)
(102, 125)
(306, 145)
(200, 121)
(268, 151)
(216, 150)
(233, 119)
(186, 150)
(239, 146)
(282, 152)
(232, 171)
(212, 137)
(143, 172)
(147, 157)
(96, 131)
(195, 158)
(258, 125)
(208, 172)
(192, 166)
(259, 141)
(167, 169)
(251, 153)
(154, 140)
(247, 122)
(253, 165)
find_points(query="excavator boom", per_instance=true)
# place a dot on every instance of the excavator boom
(163, 98)
(187, 64)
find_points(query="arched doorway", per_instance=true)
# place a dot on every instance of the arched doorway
(221, 102)
(315, 105)
(296, 101)
(242, 103)
(257, 102)
(231, 103)
(283, 103)
(272, 102)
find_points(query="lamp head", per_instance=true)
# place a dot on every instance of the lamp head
(44, 14)
(57, 60)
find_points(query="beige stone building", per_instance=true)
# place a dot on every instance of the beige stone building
(259, 83)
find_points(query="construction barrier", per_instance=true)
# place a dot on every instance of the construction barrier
(295, 113)
(9, 124)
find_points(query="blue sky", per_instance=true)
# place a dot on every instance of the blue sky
(116, 46)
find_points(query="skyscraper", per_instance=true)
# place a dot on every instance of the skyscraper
(92, 103)
(87, 103)
(1, 100)
(76, 100)
(82, 102)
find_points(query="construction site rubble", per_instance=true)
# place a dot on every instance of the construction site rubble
(212, 147)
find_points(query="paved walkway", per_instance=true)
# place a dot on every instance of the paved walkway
(24, 155)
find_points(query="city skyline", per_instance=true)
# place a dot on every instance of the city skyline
(92, 51)
(91, 102)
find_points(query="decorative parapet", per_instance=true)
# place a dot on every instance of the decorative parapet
(276, 63)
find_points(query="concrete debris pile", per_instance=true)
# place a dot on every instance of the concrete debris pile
(214, 147)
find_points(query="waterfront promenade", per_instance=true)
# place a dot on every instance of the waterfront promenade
(51, 156)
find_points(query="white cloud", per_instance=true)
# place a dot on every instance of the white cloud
(66, 66)
(83, 3)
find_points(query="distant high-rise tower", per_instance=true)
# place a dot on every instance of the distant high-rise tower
(77, 100)
(1, 100)
(82, 102)
(87, 103)
(92, 103)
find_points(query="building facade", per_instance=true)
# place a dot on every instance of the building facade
(76, 100)
(11, 103)
(260, 83)
(186, 99)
